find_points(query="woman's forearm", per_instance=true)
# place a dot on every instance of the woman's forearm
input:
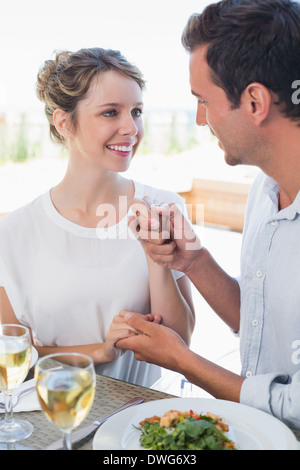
(171, 299)
(97, 352)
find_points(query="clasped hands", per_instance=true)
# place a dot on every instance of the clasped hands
(166, 235)
(120, 329)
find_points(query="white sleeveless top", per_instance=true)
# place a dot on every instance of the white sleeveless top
(67, 282)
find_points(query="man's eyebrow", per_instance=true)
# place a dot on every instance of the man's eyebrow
(196, 94)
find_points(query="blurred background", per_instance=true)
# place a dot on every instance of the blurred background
(175, 153)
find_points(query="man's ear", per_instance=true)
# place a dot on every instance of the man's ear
(61, 121)
(258, 100)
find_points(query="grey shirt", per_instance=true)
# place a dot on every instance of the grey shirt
(270, 304)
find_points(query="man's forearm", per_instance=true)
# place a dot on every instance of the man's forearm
(216, 380)
(221, 291)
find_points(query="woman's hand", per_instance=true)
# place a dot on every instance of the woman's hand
(147, 224)
(118, 329)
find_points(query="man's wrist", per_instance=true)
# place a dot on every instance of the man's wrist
(197, 263)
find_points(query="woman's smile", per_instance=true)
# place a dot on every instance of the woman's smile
(122, 149)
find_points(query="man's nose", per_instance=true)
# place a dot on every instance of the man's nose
(201, 116)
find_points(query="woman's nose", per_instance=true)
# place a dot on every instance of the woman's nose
(128, 126)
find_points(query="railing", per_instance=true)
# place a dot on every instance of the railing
(223, 202)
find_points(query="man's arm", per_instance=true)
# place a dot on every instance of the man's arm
(278, 395)
(179, 248)
(160, 345)
(221, 291)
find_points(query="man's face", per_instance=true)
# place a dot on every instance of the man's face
(230, 126)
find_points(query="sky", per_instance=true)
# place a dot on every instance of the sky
(147, 32)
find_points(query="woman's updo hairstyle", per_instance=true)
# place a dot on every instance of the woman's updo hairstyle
(65, 80)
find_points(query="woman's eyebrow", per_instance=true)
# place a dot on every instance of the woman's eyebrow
(108, 104)
(117, 104)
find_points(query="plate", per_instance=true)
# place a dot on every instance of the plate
(251, 429)
(34, 356)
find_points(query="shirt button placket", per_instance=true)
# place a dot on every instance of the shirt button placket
(256, 324)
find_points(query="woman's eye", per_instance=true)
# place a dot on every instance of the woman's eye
(110, 113)
(137, 112)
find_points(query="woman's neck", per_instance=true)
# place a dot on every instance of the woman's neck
(88, 196)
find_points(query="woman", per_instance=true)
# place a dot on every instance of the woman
(68, 265)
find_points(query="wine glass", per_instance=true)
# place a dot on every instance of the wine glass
(15, 359)
(65, 384)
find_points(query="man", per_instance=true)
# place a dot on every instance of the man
(244, 71)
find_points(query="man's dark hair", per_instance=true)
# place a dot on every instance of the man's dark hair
(250, 41)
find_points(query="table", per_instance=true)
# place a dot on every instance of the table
(110, 394)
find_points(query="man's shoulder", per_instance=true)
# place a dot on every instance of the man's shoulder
(260, 180)
(259, 187)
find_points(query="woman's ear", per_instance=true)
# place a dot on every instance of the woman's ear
(258, 100)
(61, 121)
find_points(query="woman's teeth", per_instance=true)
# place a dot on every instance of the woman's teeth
(120, 148)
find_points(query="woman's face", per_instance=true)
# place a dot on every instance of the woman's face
(109, 124)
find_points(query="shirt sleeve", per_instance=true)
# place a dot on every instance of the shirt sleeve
(278, 395)
(2, 275)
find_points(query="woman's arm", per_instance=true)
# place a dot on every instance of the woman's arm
(171, 299)
(99, 352)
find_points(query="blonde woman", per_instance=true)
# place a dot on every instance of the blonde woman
(68, 263)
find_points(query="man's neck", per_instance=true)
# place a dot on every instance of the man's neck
(284, 164)
(283, 200)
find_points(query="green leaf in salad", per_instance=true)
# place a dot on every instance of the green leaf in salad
(188, 434)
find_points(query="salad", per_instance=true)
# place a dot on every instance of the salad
(188, 430)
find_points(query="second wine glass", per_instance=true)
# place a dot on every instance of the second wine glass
(65, 384)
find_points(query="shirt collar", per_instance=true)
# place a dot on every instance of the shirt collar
(271, 189)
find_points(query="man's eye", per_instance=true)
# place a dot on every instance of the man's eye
(137, 112)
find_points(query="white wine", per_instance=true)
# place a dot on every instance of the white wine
(15, 358)
(66, 396)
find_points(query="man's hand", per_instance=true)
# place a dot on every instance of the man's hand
(167, 236)
(160, 345)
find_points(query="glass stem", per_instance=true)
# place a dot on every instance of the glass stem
(9, 417)
(67, 440)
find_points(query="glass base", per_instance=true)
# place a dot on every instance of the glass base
(16, 431)
(13, 446)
